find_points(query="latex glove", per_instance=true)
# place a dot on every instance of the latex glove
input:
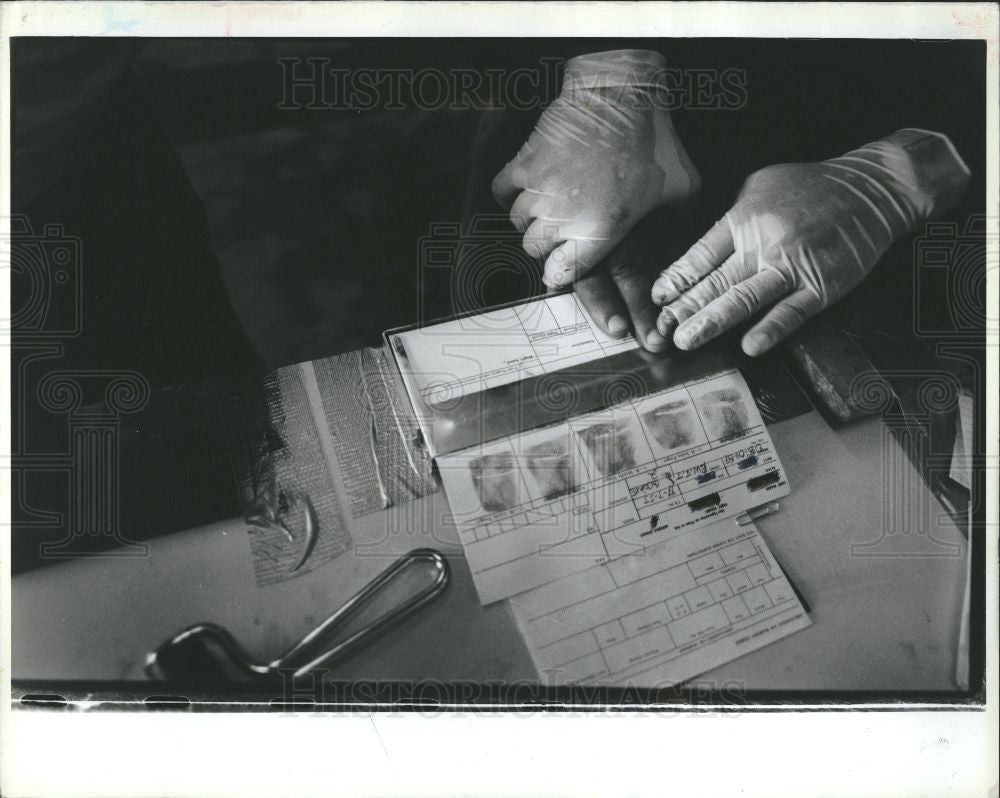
(602, 155)
(800, 236)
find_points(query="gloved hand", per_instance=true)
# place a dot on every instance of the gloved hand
(601, 156)
(800, 236)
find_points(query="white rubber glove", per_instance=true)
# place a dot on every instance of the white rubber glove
(601, 156)
(802, 235)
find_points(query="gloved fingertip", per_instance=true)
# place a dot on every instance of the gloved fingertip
(617, 327)
(683, 341)
(757, 342)
(694, 332)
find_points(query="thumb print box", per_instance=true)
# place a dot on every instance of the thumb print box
(725, 413)
(672, 424)
(552, 467)
(495, 479)
(610, 445)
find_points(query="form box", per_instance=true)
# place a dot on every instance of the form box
(738, 551)
(712, 619)
(586, 669)
(678, 607)
(601, 609)
(738, 582)
(637, 650)
(570, 648)
(736, 609)
(758, 574)
(720, 589)
(646, 619)
(609, 633)
(757, 600)
(706, 565)
(779, 591)
(699, 598)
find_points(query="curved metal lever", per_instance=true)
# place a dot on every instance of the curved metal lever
(202, 644)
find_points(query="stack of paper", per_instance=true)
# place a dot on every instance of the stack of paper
(612, 532)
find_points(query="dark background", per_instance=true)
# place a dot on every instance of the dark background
(315, 215)
(221, 232)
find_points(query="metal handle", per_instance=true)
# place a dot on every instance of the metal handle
(157, 662)
(359, 600)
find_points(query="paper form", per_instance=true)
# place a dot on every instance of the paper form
(502, 346)
(540, 505)
(661, 615)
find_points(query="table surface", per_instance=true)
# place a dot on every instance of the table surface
(874, 554)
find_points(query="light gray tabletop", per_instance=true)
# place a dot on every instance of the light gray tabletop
(874, 554)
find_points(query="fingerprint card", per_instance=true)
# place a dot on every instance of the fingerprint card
(535, 507)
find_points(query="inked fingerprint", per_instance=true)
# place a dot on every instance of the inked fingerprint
(495, 480)
(552, 468)
(610, 445)
(725, 414)
(671, 424)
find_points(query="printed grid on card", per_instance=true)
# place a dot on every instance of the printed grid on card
(662, 615)
(539, 505)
